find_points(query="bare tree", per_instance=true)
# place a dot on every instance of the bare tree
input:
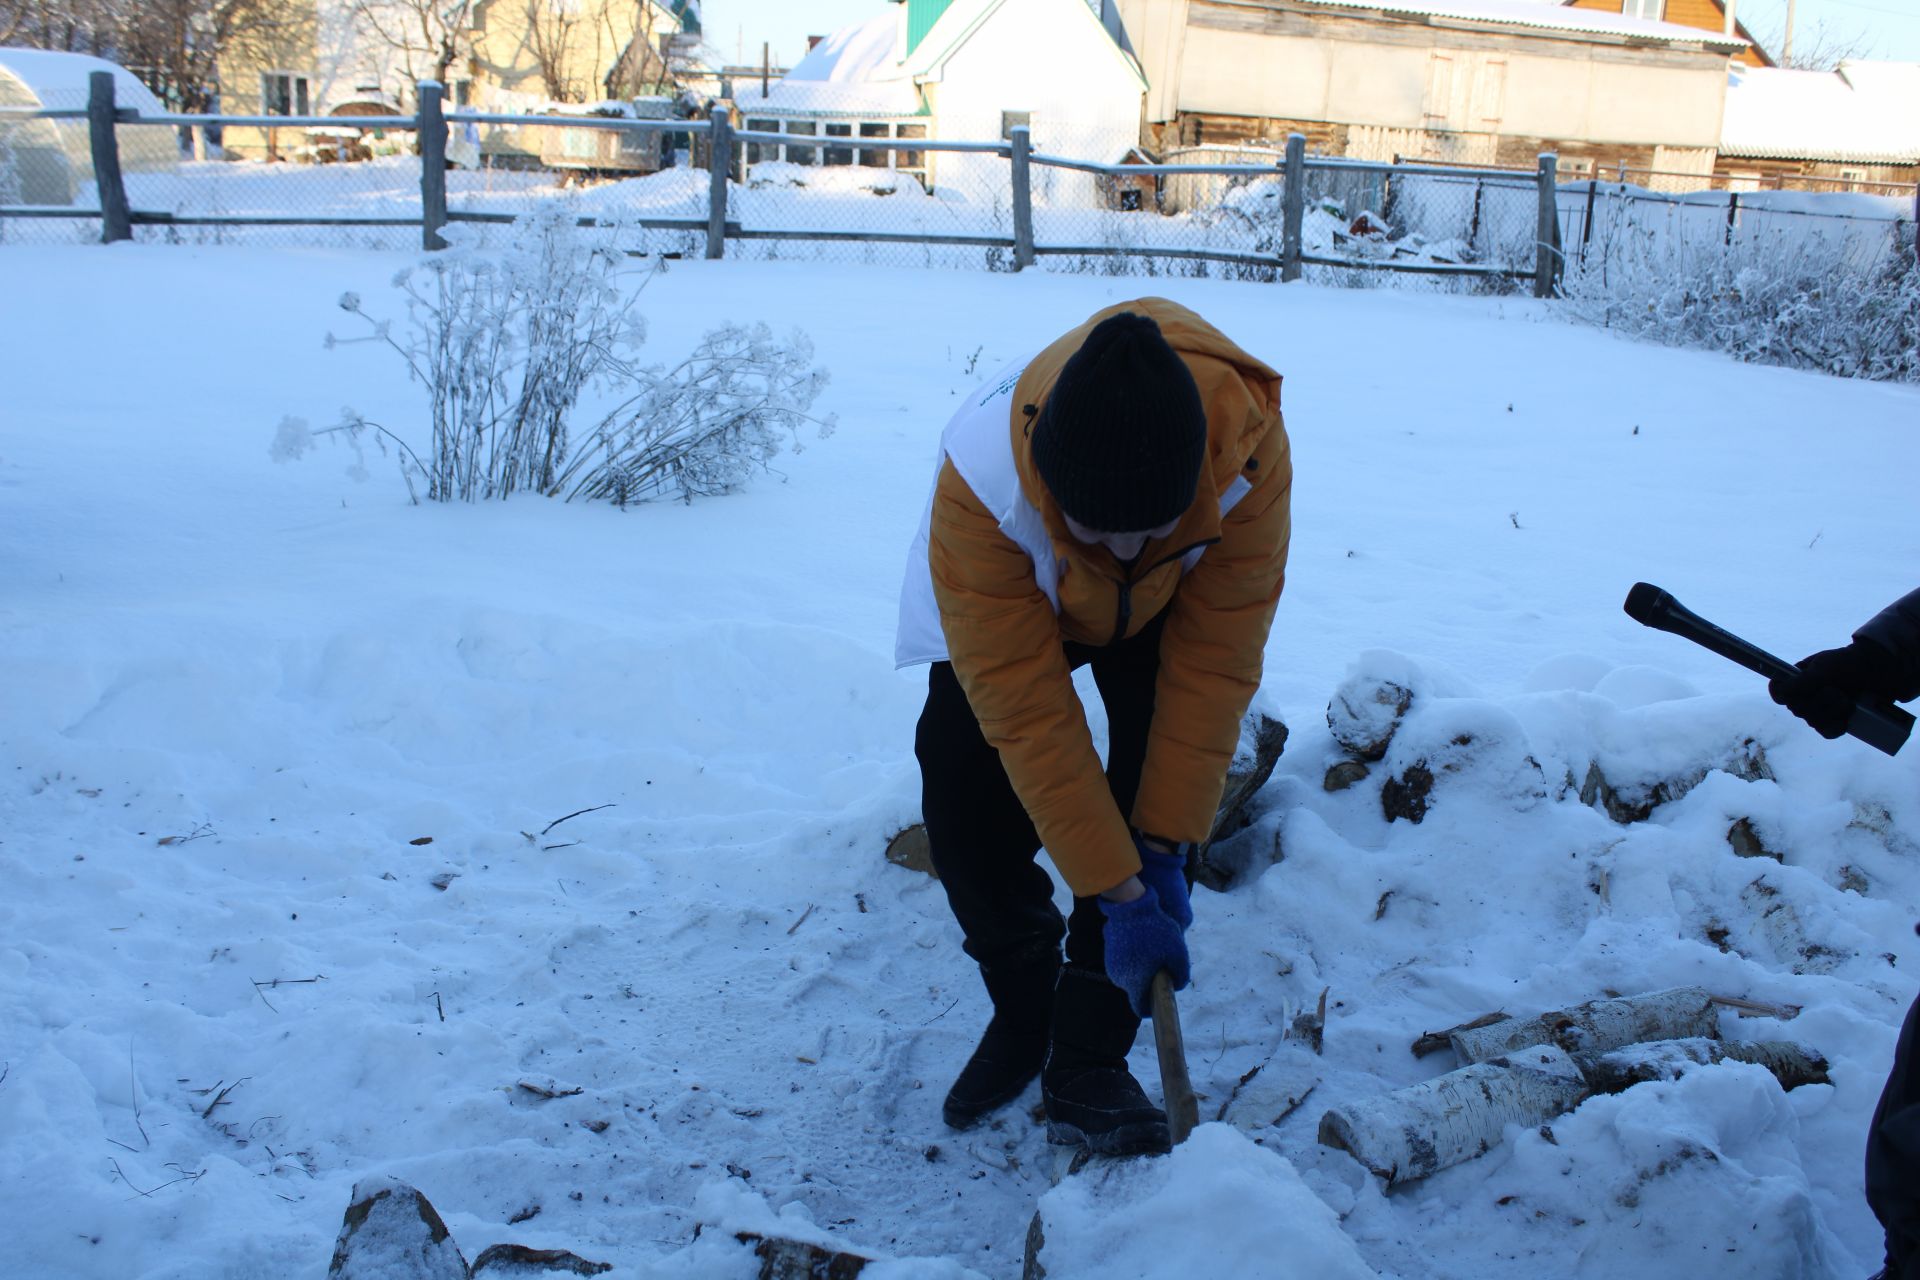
(427, 37)
(552, 28)
(174, 46)
(643, 68)
(1822, 46)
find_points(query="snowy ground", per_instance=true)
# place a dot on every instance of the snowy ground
(242, 698)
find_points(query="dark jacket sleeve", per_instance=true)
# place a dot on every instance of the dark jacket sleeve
(1896, 628)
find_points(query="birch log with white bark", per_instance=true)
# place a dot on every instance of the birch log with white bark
(1791, 1064)
(1598, 1026)
(1411, 1133)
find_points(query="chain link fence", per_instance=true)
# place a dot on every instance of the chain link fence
(879, 193)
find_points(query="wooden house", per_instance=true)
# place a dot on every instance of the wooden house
(1854, 129)
(1492, 82)
(960, 71)
(1702, 15)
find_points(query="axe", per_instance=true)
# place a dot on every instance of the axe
(1878, 724)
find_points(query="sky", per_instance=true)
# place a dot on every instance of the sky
(737, 27)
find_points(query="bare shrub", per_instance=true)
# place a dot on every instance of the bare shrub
(1784, 296)
(513, 347)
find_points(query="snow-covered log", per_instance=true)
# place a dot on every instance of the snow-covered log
(1598, 1026)
(1791, 1064)
(392, 1232)
(1411, 1133)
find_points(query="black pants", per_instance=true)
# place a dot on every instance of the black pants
(982, 842)
(1893, 1155)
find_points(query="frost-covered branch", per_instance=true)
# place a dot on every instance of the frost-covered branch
(509, 348)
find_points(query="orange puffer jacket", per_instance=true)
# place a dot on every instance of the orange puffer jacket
(1219, 574)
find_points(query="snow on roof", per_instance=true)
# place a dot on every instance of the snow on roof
(1547, 16)
(60, 80)
(854, 71)
(1866, 111)
(963, 17)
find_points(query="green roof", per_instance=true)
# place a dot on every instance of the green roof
(921, 15)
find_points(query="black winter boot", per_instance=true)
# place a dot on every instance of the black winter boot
(1091, 1098)
(1014, 1045)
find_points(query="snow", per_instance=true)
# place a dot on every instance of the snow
(1864, 111)
(62, 80)
(853, 54)
(1221, 1206)
(243, 693)
(854, 71)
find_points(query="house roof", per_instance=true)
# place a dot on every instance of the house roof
(1739, 28)
(1545, 17)
(1866, 111)
(858, 70)
(854, 71)
(60, 80)
(963, 17)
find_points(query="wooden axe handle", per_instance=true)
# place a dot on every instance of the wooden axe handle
(1183, 1110)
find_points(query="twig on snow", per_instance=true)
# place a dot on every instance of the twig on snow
(943, 1013)
(802, 920)
(282, 982)
(576, 813)
(221, 1097)
(441, 1007)
(184, 1177)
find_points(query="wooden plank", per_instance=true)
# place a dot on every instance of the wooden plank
(115, 220)
(719, 161)
(1293, 207)
(1145, 251)
(877, 237)
(161, 219)
(1022, 198)
(871, 144)
(648, 224)
(1420, 268)
(433, 166)
(1546, 246)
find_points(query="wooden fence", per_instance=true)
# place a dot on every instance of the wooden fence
(118, 218)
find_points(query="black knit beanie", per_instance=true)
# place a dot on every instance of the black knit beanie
(1123, 435)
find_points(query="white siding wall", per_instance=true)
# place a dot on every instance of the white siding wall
(1048, 57)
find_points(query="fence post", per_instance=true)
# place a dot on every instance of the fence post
(1586, 226)
(719, 161)
(116, 219)
(1293, 206)
(1733, 214)
(1021, 139)
(433, 164)
(1546, 267)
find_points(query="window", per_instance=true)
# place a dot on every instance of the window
(1575, 167)
(838, 155)
(802, 154)
(1011, 120)
(913, 160)
(759, 152)
(283, 93)
(874, 159)
(1653, 9)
